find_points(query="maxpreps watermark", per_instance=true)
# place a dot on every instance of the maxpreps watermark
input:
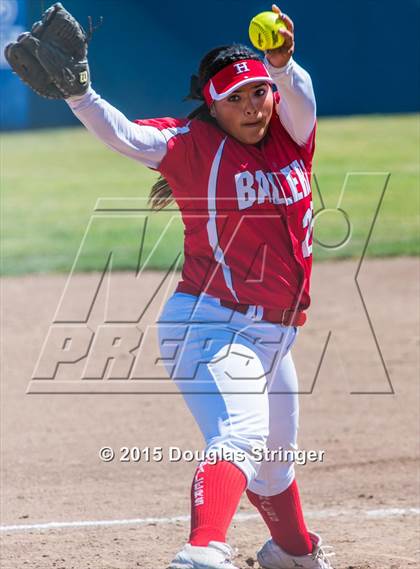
(101, 341)
(175, 454)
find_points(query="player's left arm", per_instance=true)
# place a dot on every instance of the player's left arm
(297, 107)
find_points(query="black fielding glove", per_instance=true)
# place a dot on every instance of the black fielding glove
(52, 58)
(22, 58)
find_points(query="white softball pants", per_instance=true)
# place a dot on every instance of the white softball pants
(238, 379)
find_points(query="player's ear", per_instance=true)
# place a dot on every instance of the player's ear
(213, 111)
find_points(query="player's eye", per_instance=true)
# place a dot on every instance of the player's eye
(260, 92)
(234, 98)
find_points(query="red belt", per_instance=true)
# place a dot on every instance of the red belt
(273, 315)
(286, 317)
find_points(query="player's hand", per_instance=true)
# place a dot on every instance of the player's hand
(280, 57)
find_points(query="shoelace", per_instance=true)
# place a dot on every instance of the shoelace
(233, 552)
(323, 555)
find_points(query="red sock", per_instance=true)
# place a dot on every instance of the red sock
(284, 517)
(215, 494)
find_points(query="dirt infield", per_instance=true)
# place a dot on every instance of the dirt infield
(363, 498)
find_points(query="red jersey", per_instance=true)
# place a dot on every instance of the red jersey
(247, 212)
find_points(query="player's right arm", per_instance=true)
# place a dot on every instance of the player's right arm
(297, 107)
(146, 144)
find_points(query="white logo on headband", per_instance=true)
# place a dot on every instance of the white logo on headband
(241, 67)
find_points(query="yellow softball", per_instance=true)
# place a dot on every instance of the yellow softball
(263, 31)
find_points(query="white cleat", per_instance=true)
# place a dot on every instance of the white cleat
(272, 556)
(216, 555)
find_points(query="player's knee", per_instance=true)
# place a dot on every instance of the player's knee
(243, 449)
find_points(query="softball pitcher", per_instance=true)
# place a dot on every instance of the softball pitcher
(239, 169)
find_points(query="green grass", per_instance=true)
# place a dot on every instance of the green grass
(369, 149)
(51, 181)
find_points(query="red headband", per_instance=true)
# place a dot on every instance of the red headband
(234, 76)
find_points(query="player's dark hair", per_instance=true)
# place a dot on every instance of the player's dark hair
(215, 60)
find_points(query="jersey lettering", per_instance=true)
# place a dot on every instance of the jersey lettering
(288, 186)
(263, 187)
(308, 224)
(277, 199)
(244, 189)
